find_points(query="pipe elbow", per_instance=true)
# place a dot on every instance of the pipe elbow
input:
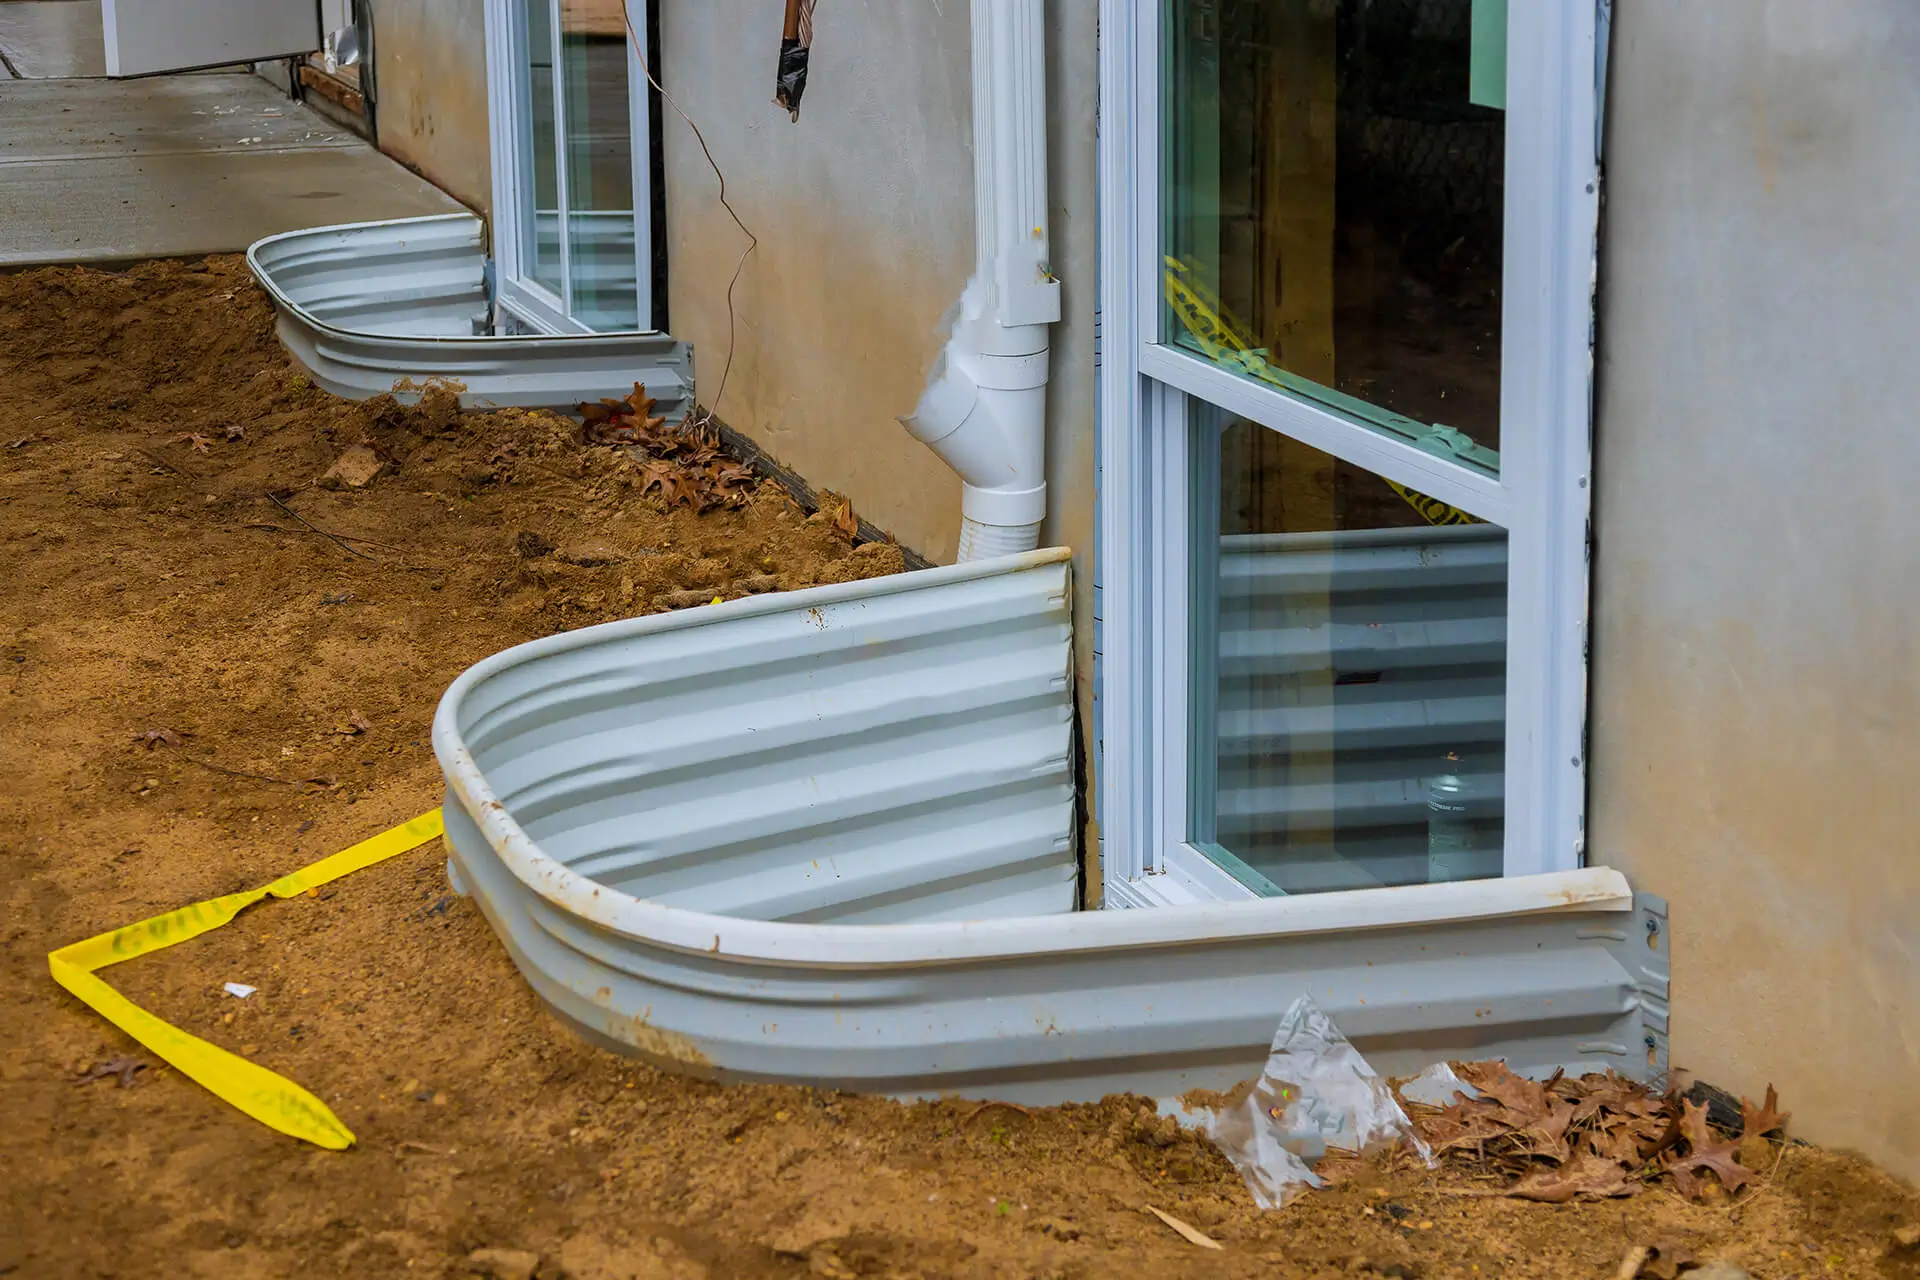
(984, 415)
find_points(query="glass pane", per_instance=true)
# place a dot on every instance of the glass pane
(1333, 208)
(1351, 674)
(541, 160)
(593, 46)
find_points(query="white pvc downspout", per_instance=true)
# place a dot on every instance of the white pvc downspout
(985, 407)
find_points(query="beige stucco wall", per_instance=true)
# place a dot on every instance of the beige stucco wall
(431, 67)
(1756, 656)
(864, 215)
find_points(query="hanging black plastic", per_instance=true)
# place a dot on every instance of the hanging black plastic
(795, 41)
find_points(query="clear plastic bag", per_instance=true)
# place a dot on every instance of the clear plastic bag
(1316, 1092)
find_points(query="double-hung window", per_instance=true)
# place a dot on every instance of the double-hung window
(570, 107)
(1347, 264)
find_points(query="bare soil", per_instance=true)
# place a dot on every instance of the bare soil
(150, 583)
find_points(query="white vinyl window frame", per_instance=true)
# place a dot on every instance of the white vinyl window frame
(509, 95)
(1542, 496)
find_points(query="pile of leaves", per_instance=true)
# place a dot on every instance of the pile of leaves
(1594, 1137)
(685, 465)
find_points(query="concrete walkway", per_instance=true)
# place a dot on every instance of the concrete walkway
(40, 39)
(99, 171)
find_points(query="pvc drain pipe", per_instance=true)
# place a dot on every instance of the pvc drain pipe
(985, 407)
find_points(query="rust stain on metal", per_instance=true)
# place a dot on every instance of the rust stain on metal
(654, 1042)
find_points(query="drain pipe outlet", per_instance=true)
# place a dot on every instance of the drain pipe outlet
(985, 407)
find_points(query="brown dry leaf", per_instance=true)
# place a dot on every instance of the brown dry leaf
(1527, 1099)
(1764, 1118)
(151, 738)
(624, 421)
(845, 521)
(193, 440)
(676, 489)
(1721, 1159)
(1620, 1144)
(1605, 1133)
(732, 473)
(1586, 1175)
(1705, 1154)
(1548, 1137)
(1191, 1233)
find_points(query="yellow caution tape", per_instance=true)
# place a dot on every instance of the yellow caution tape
(271, 1099)
(1432, 510)
(1205, 321)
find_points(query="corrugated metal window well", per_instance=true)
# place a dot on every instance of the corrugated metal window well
(828, 837)
(373, 308)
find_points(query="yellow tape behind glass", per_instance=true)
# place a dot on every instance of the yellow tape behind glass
(269, 1098)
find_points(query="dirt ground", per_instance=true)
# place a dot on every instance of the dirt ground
(151, 584)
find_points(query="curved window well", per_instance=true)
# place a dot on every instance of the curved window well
(563, 312)
(828, 837)
(381, 307)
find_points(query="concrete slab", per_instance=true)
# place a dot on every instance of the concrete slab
(170, 115)
(102, 171)
(46, 38)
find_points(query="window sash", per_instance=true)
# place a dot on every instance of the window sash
(1542, 495)
(508, 88)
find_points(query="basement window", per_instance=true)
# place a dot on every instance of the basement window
(571, 148)
(1344, 455)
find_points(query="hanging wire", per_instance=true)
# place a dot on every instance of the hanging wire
(710, 411)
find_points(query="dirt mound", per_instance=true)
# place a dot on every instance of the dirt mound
(173, 569)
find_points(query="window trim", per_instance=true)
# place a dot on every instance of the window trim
(517, 295)
(1542, 496)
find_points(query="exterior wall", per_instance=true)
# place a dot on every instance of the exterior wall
(430, 69)
(864, 215)
(1756, 683)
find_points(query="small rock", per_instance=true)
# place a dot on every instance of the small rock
(687, 599)
(357, 468)
(1905, 1238)
(504, 1264)
(1719, 1269)
(529, 545)
(588, 555)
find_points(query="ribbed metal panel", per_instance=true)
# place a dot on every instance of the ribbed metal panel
(825, 838)
(899, 756)
(1350, 665)
(367, 305)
